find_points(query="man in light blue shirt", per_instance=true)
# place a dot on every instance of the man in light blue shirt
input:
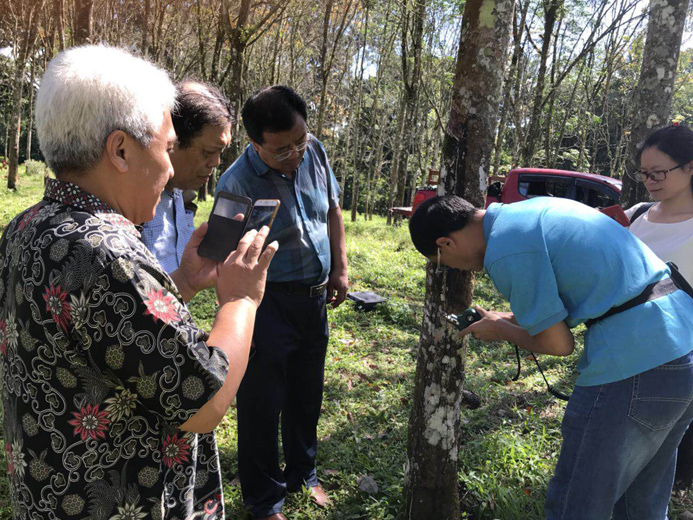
(202, 120)
(560, 264)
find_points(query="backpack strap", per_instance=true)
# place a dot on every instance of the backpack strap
(640, 211)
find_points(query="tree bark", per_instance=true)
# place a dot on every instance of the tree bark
(430, 487)
(551, 10)
(518, 31)
(653, 96)
(30, 115)
(84, 22)
(27, 35)
(59, 22)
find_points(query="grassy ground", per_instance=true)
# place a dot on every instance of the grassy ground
(510, 444)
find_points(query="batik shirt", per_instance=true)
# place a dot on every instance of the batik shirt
(100, 363)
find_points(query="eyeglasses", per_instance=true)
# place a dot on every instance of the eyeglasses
(641, 176)
(296, 148)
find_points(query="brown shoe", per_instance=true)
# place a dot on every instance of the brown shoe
(319, 497)
(275, 516)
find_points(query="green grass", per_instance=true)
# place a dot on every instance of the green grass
(509, 445)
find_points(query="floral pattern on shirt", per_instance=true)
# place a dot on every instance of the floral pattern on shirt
(100, 363)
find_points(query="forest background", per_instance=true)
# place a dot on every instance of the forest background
(377, 75)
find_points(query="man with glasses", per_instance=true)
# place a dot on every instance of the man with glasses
(202, 121)
(285, 373)
(560, 264)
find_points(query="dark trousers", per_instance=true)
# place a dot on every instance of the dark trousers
(284, 378)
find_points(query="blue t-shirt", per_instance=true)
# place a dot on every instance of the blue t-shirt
(301, 223)
(557, 259)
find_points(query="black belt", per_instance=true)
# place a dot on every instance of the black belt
(652, 292)
(298, 288)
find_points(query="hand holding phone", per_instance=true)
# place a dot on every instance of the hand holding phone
(226, 225)
(231, 218)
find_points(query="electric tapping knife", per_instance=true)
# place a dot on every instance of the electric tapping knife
(464, 320)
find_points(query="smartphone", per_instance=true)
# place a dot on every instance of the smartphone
(226, 225)
(263, 214)
(616, 212)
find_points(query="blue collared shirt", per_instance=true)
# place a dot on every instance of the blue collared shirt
(557, 259)
(301, 223)
(169, 231)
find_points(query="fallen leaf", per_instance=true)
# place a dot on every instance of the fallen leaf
(367, 484)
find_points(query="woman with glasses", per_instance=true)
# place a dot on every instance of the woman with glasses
(666, 225)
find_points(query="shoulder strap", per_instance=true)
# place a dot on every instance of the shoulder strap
(640, 211)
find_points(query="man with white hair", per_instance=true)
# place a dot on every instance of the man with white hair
(109, 390)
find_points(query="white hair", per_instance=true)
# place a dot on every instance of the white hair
(87, 93)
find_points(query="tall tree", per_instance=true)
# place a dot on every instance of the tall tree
(552, 10)
(84, 22)
(413, 18)
(655, 91)
(430, 488)
(26, 21)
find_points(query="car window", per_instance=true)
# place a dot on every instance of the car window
(543, 186)
(594, 195)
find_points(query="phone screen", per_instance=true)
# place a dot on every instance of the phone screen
(225, 226)
(260, 216)
(228, 208)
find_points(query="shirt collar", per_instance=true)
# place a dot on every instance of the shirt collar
(256, 161)
(72, 195)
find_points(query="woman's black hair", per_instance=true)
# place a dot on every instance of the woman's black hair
(674, 140)
(438, 217)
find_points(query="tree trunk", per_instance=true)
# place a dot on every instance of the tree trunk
(25, 41)
(653, 96)
(145, 27)
(397, 152)
(358, 161)
(430, 487)
(30, 115)
(84, 22)
(518, 31)
(411, 95)
(551, 10)
(59, 22)
(324, 72)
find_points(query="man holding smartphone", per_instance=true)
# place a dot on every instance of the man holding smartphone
(202, 121)
(285, 372)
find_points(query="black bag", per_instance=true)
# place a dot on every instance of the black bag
(365, 300)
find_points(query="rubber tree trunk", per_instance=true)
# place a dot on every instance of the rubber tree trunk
(431, 485)
(551, 12)
(655, 90)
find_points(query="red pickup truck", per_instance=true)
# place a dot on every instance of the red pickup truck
(597, 191)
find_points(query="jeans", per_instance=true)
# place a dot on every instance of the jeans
(619, 446)
(284, 378)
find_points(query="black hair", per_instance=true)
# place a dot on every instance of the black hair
(674, 140)
(272, 109)
(197, 105)
(438, 217)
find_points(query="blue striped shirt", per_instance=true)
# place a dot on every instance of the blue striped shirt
(301, 223)
(169, 231)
